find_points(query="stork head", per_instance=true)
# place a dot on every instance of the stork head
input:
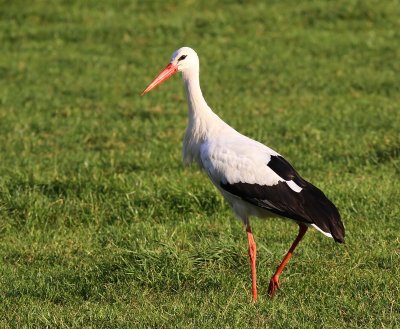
(184, 59)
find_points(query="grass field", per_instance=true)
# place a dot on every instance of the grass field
(100, 224)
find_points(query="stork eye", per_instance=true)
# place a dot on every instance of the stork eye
(182, 58)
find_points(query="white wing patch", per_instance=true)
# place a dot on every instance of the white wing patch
(324, 233)
(294, 186)
(238, 160)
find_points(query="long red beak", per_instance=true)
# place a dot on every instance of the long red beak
(163, 75)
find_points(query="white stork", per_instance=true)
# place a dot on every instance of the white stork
(254, 179)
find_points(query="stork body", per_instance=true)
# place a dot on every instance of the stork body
(254, 179)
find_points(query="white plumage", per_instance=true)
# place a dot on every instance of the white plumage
(254, 179)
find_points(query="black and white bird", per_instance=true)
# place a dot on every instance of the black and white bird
(254, 179)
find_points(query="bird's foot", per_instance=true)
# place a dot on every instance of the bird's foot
(273, 286)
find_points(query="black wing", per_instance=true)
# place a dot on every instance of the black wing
(309, 206)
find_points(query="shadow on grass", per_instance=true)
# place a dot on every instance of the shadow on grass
(172, 201)
(61, 189)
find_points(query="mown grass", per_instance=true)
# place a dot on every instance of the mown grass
(100, 226)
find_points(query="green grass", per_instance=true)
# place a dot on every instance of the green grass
(101, 226)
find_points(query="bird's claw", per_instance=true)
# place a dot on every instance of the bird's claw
(273, 286)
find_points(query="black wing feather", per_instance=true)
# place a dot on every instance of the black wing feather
(309, 206)
(285, 170)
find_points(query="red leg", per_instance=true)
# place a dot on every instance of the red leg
(252, 255)
(274, 283)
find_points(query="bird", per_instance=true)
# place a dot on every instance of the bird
(255, 180)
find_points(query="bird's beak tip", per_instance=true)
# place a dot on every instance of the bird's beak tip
(161, 77)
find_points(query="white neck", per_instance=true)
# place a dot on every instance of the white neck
(202, 120)
(196, 102)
